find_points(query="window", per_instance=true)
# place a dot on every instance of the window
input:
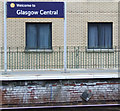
(38, 36)
(100, 35)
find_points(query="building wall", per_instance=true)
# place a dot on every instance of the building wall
(78, 16)
(59, 92)
(1, 24)
(79, 13)
(119, 36)
(1, 29)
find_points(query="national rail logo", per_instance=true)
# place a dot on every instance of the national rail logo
(12, 5)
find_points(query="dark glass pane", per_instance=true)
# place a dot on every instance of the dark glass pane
(44, 36)
(92, 36)
(108, 36)
(105, 35)
(100, 35)
(31, 39)
(101, 40)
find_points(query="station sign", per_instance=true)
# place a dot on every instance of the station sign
(35, 9)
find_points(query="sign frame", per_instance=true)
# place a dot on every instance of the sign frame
(35, 9)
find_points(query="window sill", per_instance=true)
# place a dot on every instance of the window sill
(39, 50)
(100, 50)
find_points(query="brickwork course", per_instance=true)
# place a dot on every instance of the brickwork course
(62, 92)
(59, 92)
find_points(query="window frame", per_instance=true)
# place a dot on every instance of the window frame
(37, 49)
(98, 24)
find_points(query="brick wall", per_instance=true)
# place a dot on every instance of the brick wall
(78, 15)
(59, 92)
(119, 35)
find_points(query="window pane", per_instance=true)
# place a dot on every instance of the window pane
(92, 36)
(105, 35)
(44, 36)
(108, 36)
(31, 40)
(101, 40)
(100, 35)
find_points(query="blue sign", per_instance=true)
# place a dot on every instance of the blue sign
(35, 9)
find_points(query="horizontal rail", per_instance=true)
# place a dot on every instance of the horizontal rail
(64, 106)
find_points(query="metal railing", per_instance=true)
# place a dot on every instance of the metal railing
(85, 58)
(77, 58)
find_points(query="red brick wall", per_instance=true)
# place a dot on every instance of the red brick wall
(59, 92)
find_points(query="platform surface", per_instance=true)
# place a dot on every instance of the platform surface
(59, 74)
